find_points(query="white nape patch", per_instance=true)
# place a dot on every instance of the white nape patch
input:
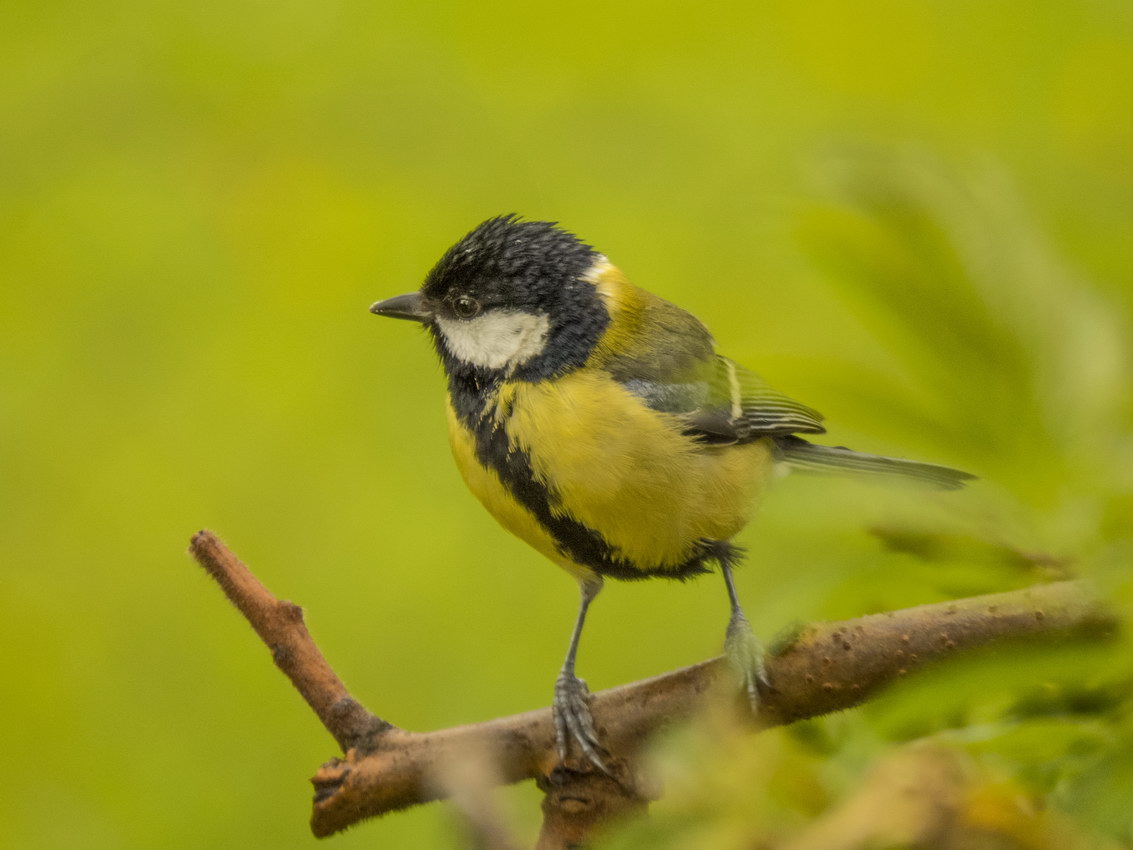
(498, 339)
(597, 269)
(599, 276)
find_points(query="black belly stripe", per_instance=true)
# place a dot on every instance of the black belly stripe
(576, 540)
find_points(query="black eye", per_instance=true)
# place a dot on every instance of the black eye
(465, 306)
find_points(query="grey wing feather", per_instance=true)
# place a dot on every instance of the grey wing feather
(723, 403)
(740, 407)
(807, 457)
(670, 362)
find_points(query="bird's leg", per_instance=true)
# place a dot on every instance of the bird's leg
(741, 647)
(571, 707)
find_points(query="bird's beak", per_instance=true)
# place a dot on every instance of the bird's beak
(412, 305)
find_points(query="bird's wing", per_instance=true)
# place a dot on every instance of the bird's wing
(737, 406)
(721, 402)
(669, 361)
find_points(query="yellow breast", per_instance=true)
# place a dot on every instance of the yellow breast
(486, 486)
(617, 467)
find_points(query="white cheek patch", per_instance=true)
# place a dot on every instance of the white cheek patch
(499, 339)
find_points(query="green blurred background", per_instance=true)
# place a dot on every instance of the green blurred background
(914, 216)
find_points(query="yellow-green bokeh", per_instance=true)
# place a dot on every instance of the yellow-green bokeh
(914, 216)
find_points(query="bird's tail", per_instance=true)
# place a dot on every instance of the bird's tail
(800, 455)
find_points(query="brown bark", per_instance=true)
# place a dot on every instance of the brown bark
(829, 666)
(280, 626)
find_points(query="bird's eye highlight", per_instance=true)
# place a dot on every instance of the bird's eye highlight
(466, 306)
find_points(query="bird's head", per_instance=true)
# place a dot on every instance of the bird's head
(511, 299)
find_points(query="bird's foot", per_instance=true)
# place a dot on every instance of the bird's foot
(573, 721)
(745, 656)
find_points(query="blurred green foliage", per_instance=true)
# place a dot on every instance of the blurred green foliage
(914, 216)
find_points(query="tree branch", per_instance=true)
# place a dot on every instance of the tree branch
(829, 666)
(280, 625)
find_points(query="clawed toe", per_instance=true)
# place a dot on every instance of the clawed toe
(745, 655)
(573, 721)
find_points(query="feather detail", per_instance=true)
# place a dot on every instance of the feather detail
(800, 455)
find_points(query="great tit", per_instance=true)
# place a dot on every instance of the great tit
(597, 422)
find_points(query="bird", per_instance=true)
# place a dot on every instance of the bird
(598, 423)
